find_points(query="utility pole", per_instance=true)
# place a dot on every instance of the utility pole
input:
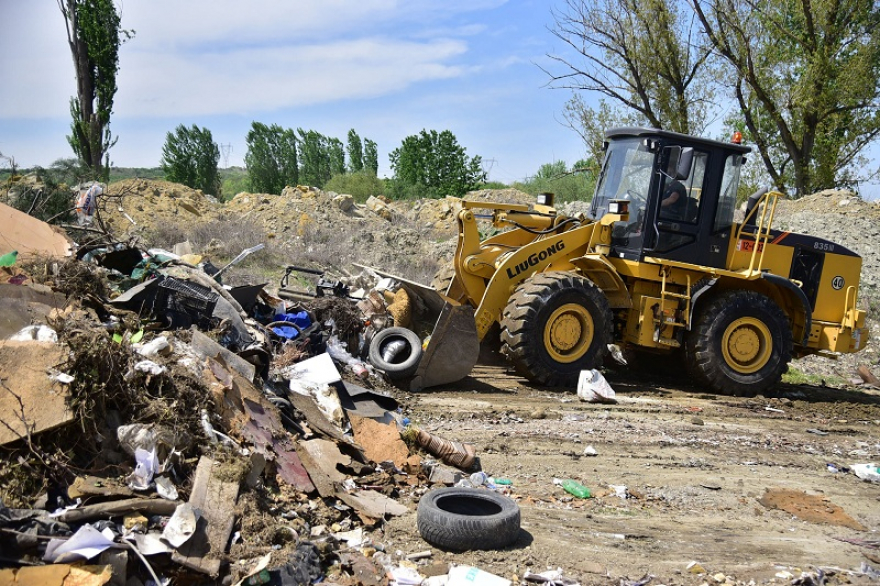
(225, 149)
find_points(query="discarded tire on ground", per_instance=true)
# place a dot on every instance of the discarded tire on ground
(460, 519)
(396, 351)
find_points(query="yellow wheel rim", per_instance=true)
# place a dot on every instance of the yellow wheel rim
(747, 345)
(568, 333)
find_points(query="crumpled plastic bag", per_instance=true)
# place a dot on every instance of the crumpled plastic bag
(86, 202)
(593, 388)
(869, 472)
(35, 333)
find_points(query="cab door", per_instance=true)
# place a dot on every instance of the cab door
(678, 231)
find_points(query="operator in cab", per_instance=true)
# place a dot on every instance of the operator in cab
(674, 201)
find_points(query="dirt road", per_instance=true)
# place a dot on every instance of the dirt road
(694, 466)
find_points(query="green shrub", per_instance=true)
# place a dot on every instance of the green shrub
(556, 178)
(398, 189)
(360, 185)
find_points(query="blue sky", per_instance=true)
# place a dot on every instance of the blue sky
(387, 68)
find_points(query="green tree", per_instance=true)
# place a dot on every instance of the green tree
(434, 164)
(336, 153)
(355, 152)
(371, 156)
(591, 124)
(806, 77)
(49, 198)
(314, 158)
(94, 36)
(646, 57)
(190, 156)
(271, 158)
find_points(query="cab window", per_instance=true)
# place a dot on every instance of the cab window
(681, 198)
(727, 197)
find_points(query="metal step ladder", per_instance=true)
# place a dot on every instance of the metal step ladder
(661, 321)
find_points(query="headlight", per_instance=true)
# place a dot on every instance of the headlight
(545, 199)
(618, 206)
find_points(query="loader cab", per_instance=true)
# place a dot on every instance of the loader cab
(648, 166)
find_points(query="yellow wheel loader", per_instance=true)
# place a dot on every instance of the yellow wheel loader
(737, 300)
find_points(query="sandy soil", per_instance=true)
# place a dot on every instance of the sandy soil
(694, 466)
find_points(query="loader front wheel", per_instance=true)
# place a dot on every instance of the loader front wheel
(554, 326)
(740, 345)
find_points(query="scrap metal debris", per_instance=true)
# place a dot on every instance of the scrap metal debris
(182, 409)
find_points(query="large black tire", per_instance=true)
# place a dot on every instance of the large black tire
(740, 344)
(402, 364)
(461, 519)
(554, 326)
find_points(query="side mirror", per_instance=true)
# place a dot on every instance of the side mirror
(679, 161)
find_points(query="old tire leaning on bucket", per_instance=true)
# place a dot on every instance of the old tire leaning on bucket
(461, 519)
(402, 363)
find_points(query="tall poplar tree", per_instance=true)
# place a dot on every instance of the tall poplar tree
(94, 35)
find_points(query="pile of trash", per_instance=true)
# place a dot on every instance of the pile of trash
(156, 425)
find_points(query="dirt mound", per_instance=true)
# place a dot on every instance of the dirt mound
(303, 220)
(143, 204)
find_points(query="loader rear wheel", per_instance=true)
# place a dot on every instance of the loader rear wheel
(554, 326)
(740, 345)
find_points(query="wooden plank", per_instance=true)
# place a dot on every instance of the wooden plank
(320, 458)
(316, 418)
(313, 465)
(215, 499)
(205, 347)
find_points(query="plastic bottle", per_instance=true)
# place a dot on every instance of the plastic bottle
(576, 488)
(479, 478)
(7, 260)
(471, 576)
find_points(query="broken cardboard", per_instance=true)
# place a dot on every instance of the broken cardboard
(21, 304)
(30, 401)
(381, 442)
(29, 236)
(57, 575)
(322, 459)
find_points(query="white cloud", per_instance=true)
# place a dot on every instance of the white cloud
(226, 56)
(233, 22)
(260, 79)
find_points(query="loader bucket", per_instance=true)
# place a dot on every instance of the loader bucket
(452, 351)
(454, 346)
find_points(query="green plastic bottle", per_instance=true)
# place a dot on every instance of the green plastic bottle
(8, 259)
(576, 488)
